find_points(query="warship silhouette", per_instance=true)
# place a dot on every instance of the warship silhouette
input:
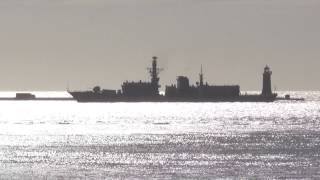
(182, 91)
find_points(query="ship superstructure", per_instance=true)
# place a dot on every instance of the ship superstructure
(182, 91)
(200, 91)
(144, 89)
(130, 91)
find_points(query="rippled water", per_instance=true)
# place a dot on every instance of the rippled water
(69, 140)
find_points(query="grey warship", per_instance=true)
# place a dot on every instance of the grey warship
(182, 91)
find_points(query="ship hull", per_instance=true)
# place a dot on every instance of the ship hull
(94, 97)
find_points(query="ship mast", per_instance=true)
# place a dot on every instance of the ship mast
(154, 72)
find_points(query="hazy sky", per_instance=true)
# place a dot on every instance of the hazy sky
(47, 44)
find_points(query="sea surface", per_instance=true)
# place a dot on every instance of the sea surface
(70, 140)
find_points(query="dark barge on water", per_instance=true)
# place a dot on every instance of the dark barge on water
(32, 97)
(181, 92)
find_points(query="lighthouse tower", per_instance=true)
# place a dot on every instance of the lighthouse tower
(266, 90)
(201, 77)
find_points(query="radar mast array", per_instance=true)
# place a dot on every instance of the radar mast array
(154, 72)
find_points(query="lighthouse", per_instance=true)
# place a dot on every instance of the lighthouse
(266, 89)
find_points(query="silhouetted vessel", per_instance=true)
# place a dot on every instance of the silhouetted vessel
(31, 97)
(181, 92)
(25, 96)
